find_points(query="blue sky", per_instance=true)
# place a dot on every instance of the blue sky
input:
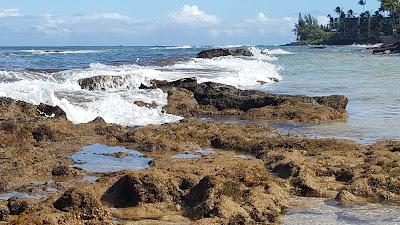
(158, 22)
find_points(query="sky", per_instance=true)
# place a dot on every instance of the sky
(158, 22)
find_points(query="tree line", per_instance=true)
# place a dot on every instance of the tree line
(309, 31)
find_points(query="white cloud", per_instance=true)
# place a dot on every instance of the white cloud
(9, 12)
(323, 20)
(190, 14)
(260, 18)
(105, 16)
(58, 25)
(108, 28)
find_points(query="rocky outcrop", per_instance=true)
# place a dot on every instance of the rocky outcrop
(188, 98)
(83, 204)
(220, 188)
(14, 109)
(241, 191)
(212, 53)
(103, 82)
(312, 167)
(387, 49)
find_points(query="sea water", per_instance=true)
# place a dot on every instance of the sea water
(50, 75)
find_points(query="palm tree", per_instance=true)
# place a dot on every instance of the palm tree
(393, 7)
(350, 13)
(338, 10)
(362, 3)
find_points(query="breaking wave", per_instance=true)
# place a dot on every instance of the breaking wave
(116, 102)
(173, 47)
(276, 52)
(366, 46)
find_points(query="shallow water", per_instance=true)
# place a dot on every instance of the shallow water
(92, 159)
(192, 155)
(371, 82)
(6, 196)
(314, 211)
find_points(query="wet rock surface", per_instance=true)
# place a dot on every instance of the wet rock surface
(212, 53)
(387, 49)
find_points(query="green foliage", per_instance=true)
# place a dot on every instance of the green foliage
(393, 7)
(307, 29)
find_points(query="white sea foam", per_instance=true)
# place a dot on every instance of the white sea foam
(276, 52)
(366, 46)
(173, 47)
(229, 46)
(45, 52)
(238, 72)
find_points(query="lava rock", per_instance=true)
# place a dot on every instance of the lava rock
(4, 212)
(51, 111)
(212, 53)
(17, 206)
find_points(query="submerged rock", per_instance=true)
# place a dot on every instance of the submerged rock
(212, 53)
(4, 212)
(346, 198)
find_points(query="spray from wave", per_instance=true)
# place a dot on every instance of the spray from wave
(276, 52)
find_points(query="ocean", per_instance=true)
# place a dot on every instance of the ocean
(50, 75)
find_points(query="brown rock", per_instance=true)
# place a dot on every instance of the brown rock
(62, 170)
(346, 198)
(83, 204)
(193, 99)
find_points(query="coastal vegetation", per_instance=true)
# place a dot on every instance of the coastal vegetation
(348, 26)
(309, 31)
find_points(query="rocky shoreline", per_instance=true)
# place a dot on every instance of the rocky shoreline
(247, 178)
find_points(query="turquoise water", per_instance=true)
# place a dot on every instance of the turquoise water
(371, 82)
(51, 75)
(314, 211)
